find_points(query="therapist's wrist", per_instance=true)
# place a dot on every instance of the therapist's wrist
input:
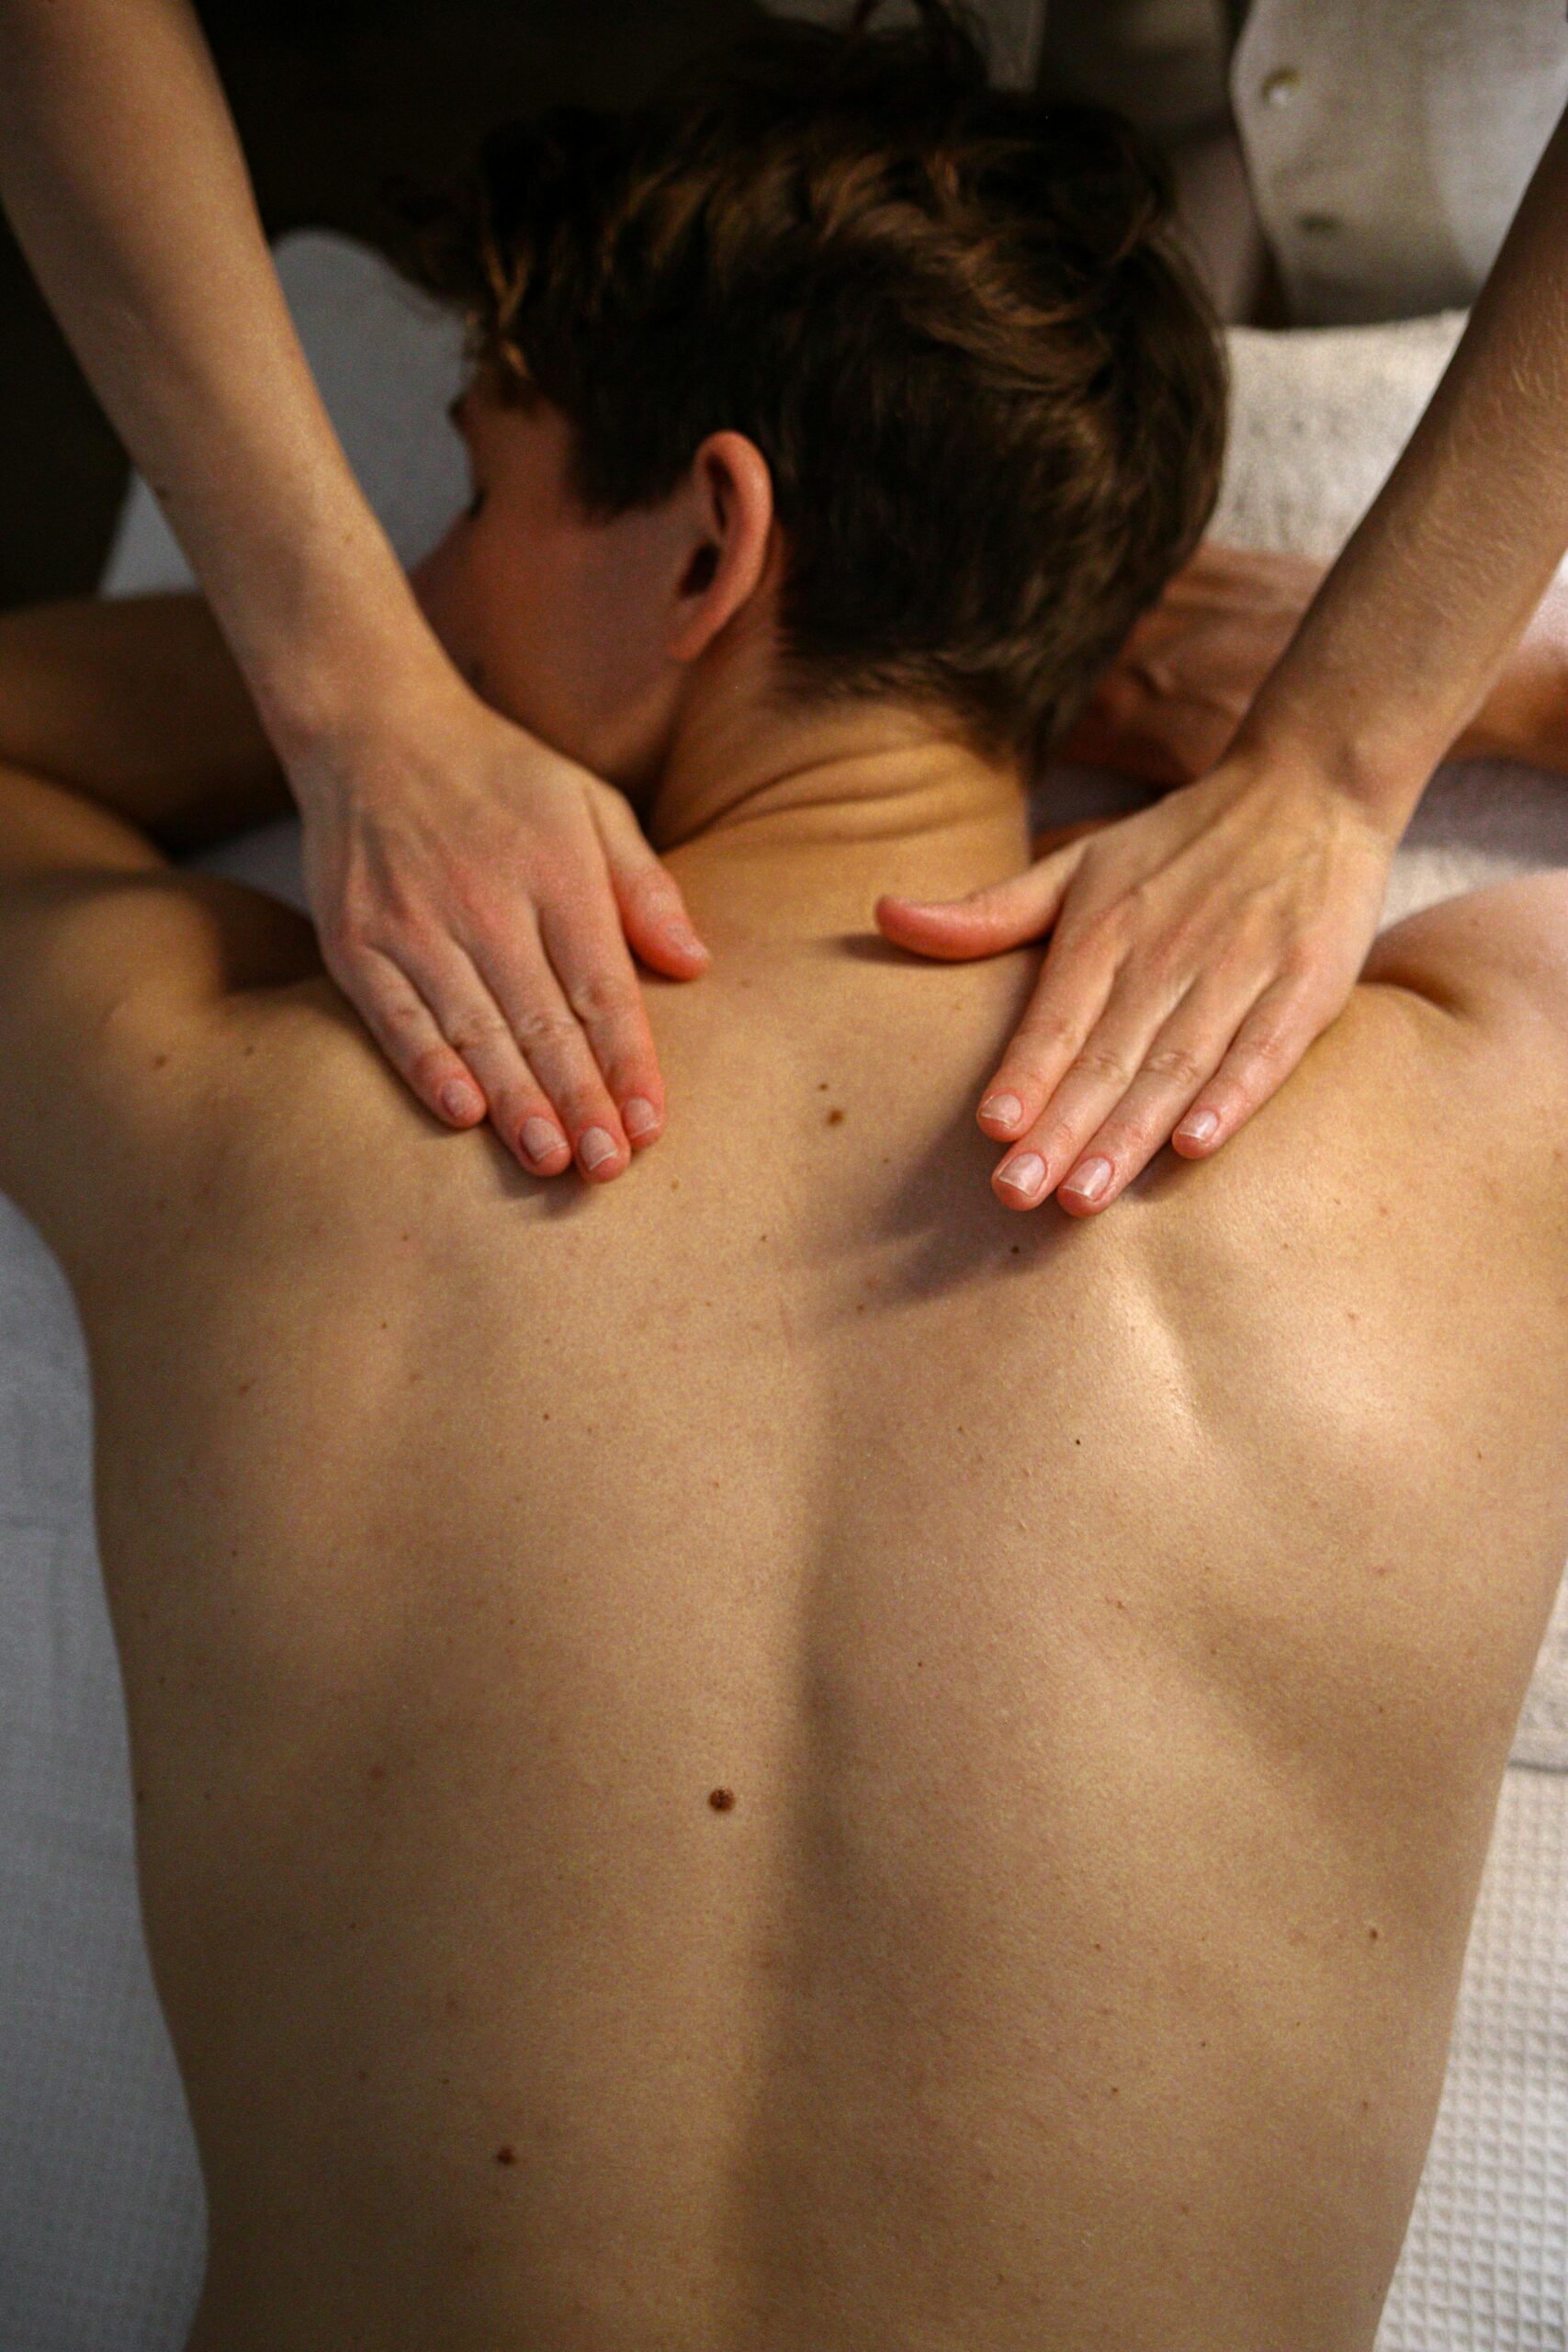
(1380, 779)
(358, 654)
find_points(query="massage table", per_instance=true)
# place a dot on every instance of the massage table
(101, 2214)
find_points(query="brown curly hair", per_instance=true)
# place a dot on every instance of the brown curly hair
(955, 322)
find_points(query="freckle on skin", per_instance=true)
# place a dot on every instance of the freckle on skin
(506, 2155)
(160, 1061)
(835, 1118)
(722, 1800)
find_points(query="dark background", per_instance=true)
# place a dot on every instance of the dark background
(333, 99)
(338, 100)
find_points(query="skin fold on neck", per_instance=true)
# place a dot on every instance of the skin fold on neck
(809, 811)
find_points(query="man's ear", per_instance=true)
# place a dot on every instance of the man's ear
(730, 493)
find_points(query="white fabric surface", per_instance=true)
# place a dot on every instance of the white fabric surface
(101, 2221)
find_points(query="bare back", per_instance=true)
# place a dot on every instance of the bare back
(777, 1759)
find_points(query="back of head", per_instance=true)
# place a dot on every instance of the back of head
(954, 321)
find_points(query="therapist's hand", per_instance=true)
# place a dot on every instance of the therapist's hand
(1196, 950)
(477, 898)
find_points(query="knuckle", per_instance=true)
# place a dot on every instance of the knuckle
(427, 1067)
(544, 1031)
(402, 1015)
(1126, 1143)
(605, 995)
(1268, 1050)
(1177, 1064)
(476, 1031)
(1100, 934)
(1048, 1031)
(1102, 1062)
(1059, 1144)
(653, 889)
(343, 942)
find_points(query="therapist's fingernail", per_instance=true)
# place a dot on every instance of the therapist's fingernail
(638, 1116)
(461, 1101)
(680, 935)
(596, 1146)
(539, 1139)
(1198, 1126)
(1089, 1179)
(1023, 1175)
(1006, 1110)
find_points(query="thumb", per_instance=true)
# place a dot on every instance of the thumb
(653, 913)
(1005, 914)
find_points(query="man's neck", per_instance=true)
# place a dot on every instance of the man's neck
(803, 817)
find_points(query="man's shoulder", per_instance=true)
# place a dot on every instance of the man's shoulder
(1493, 966)
(1496, 959)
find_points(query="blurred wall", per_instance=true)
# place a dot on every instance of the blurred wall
(333, 98)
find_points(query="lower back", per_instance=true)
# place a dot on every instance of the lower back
(779, 1758)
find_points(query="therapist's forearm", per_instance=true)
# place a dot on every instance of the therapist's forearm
(1416, 623)
(123, 177)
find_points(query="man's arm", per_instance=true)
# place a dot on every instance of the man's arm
(124, 731)
(137, 703)
(1170, 704)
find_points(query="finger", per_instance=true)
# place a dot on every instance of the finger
(1006, 914)
(403, 1025)
(552, 1040)
(1070, 996)
(599, 983)
(1186, 1052)
(1094, 1081)
(467, 1015)
(1283, 1022)
(653, 912)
